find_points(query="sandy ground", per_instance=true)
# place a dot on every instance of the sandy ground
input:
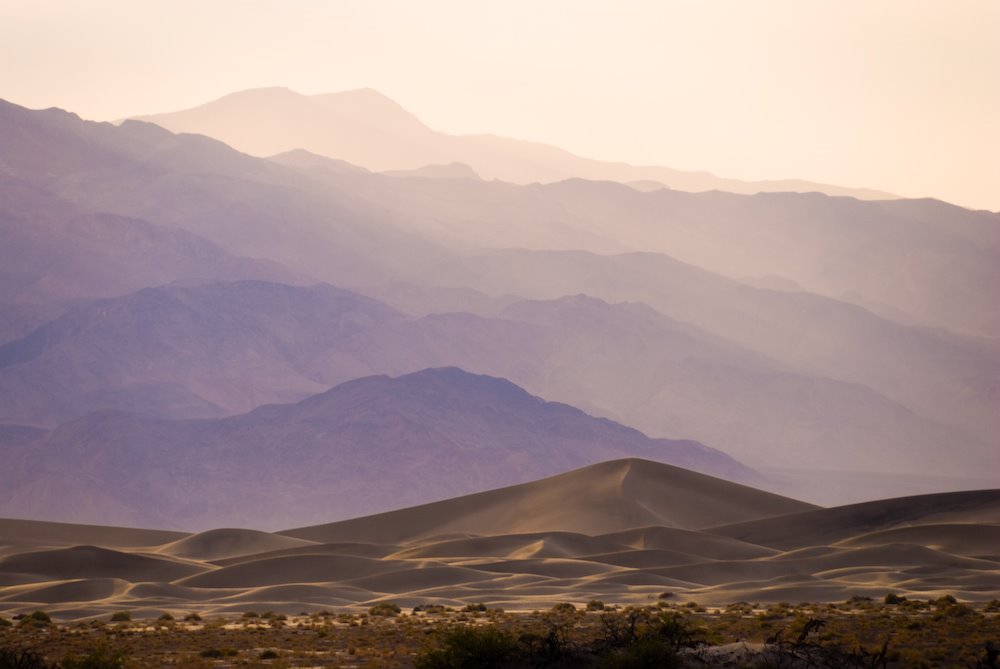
(623, 532)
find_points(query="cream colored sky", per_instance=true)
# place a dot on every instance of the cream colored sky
(898, 95)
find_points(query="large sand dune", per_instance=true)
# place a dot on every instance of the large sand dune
(624, 531)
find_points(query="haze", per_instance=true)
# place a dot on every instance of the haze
(894, 96)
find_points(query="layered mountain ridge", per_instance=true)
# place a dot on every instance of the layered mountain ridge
(373, 443)
(174, 276)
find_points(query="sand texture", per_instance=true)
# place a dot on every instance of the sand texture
(623, 531)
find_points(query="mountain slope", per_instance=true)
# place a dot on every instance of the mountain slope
(201, 349)
(936, 374)
(365, 446)
(249, 207)
(366, 128)
(903, 258)
(212, 349)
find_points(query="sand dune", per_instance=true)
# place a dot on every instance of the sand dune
(228, 543)
(688, 541)
(421, 578)
(39, 532)
(539, 545)
(95, 562)
(592, 500)
(83, 590)
(972, 539)
(825, 526)
(623, 532)
(342, 548)
(292, 569)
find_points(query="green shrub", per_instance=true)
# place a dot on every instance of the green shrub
(944, 602)
(385, 609)
(473, 648)
(35, 619)
(645, 654)
(101, 657)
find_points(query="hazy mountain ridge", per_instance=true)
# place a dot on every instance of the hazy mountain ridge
(366, 128)
(903, 259)
(213, 349)
(371, 444)
(325, 226)
(248, 206)
(917, 367)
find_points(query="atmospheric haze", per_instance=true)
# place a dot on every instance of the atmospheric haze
(898, 96)
(513, 303)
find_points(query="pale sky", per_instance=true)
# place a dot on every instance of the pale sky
(897, 95)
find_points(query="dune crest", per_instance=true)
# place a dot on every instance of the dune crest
(622, 531)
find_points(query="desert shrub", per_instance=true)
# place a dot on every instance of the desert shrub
(953, 611)
(564, 607)
(251, 614)
(4, 622)
(429, 608)
(475, 608)
(166, 618)
(665, 595)
(385, 609)
(595, 605)
(944, 602)
(645, 654)
(35, 619)
(101, 657)
(676, 630)
(219, 652)
(269, 654)
(22, 658)
(473, 648)
(892, 599)
(992, 606)
(192, 618)
(121, 617)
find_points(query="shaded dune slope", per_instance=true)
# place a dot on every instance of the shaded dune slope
(623, 531)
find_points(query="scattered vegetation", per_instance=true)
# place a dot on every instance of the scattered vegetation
(102, 657)
(22, 658)
(886, 632)
(385, 609)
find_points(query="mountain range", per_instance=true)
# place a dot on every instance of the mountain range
(174, 278)
(370, 444)
(368, 129)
